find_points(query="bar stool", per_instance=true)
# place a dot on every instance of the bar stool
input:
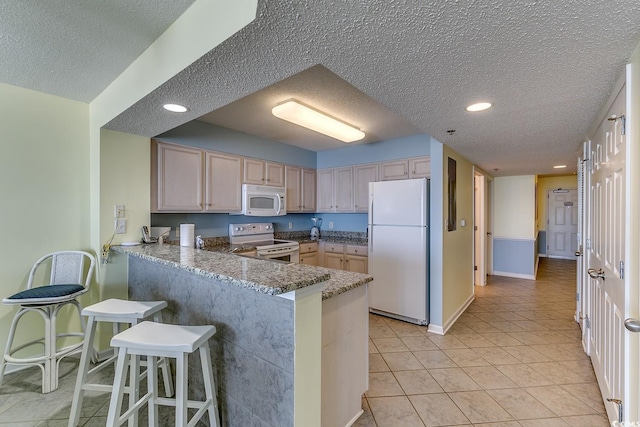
(163, 340)
(117, 312)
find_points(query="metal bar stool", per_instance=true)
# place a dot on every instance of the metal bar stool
(117, 312)
(162, 340)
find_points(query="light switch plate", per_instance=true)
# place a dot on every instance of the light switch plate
(118, 211)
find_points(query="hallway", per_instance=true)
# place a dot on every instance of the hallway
(514, 358)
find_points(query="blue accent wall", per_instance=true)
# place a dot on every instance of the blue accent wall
(217, 225)
(344, 221)
(209, 137)
(516, 256)
(400, 148)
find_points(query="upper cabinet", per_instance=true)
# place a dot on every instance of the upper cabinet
(260, 172)
(300, 186)
(223, 178)
(335, 190)
(178, 180)
(417, 167)
(362, 176)
(185, 179)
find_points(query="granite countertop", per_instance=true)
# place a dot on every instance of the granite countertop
(265, 276)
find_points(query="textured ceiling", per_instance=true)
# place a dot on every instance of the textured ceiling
(75, 49)
(547, 66)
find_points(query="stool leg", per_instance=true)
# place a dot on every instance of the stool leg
(49, 351)
(115, 404)
(182, 366)
(152, 387)
(12, 334)
(165, 365)
(83, 369)
(210, 386)
(134, 387)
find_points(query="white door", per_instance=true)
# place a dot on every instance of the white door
(562, 223)
(479, 231)
(582, 279)
(606, 254)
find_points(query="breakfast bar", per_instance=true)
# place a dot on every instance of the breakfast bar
(291, 347)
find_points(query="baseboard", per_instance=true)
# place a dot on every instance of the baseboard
(514, 275)
(354, 419)
(441, 330)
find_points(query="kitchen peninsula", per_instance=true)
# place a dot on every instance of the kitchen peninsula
(291, 342)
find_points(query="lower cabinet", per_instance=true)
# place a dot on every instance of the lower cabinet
(309, 253)
(346, 257)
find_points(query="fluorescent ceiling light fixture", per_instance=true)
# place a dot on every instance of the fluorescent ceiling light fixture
(175, 108)
(560, 166)
(302, 115)
(480, 106)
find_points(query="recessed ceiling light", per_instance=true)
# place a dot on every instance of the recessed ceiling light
(560, 166)
(175, 108)
(480, 106)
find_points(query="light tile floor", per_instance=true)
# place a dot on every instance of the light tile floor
(514, 358)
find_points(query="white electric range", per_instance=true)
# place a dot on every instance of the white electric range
(261, 235)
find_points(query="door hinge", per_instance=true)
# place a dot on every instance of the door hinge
(587, 322)
(475, 228)
(588, 243)
(475, 268)
(617, 402)
(577, 296)
(622, 269)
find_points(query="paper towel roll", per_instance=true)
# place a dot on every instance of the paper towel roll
(187, 235)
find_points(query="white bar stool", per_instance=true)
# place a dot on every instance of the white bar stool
(163, 340)
(117, 312)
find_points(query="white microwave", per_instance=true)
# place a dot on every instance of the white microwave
(262, 200)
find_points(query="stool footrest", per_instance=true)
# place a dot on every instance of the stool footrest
(136, 406)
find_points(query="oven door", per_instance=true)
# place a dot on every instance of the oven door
(288, 255)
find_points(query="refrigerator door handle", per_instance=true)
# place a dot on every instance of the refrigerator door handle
(371, 239)
(370, 228)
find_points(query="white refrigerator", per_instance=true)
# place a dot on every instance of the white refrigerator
(399, 249)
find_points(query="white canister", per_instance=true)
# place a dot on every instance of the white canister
(187, 235)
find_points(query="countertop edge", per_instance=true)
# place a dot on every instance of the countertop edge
(239, 282)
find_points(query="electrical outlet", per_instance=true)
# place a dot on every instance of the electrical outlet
(118, 211)
(290, 225)
(330, 225)
(121, 226)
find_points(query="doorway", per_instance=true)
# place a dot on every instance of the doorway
(480, 229)
(562, 223)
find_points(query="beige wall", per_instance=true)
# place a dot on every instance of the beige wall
(514, 201)
(44, 187)
(457, 250)
(551, 183)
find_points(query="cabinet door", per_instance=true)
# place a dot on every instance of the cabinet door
(253, 172)
(362, 176)
(325, 190)
(343, 184)
(420, 167)
(394, 170)
(357, 264)
(309, 259)
(179, 178)
(332, 260)
(308, 194)
(274, 174)
(293, 189)
(223, 183)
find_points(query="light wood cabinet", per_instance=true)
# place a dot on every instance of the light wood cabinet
(356, 258)
(178, 178)
(346, 257)
(390, 171)
(420, 167)
(416, 167)
(362, 176)
(185, 179)
(300, 185)
(260, 172)
(223, 183)
(335, 190)
(309, 253)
